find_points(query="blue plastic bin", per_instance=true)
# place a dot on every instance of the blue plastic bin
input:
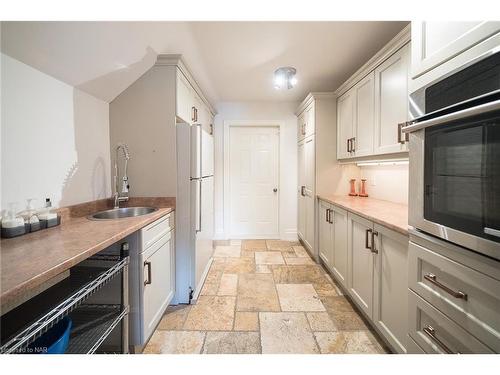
(55, 340)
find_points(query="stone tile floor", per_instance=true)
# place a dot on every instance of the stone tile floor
(265, 296)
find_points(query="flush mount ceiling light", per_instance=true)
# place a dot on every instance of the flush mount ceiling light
(284, 78)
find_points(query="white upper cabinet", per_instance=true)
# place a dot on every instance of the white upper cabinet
(301, 126)
(362, 142)
(309, 120)
(355, 119)
(184, 98)
(391, 102)
(345, 124)
(434, 43)
(372, 105)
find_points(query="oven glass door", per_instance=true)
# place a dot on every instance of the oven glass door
(462, 175)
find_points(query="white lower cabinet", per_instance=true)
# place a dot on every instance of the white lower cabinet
(151, 278)
(325, 245)
(371, 262)
(360, 274)
(434, 332)
(158, 291)
(306, 163)
(340, 254)
(390, 286)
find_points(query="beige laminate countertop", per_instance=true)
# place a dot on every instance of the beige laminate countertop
(33, 259)
(388, 214)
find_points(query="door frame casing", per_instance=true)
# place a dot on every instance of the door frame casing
(228, 124)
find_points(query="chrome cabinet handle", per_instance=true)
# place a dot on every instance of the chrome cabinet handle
(148, 281)
(400, 138)
(348, 145)
(331, 217)
(302, 189)
(367, 245)
(327, 212)
(373, 248)
(193, 111)
(433, 280)
(492, 232)
(353, 144)
(431, 332)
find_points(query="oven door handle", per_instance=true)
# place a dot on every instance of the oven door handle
(492, 232)
(477, 110)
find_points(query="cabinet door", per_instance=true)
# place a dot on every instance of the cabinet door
(301, 126)
(309, 208)
(340, 252)
(301, 183)
(364, 115)
(309, 164)
(325, 245)
(157, 283)
(184, 99)
(360, 284)
(391, 102)
(309, 120)
(345, 122)
(309, 169)
(391, 286)
(434, 43)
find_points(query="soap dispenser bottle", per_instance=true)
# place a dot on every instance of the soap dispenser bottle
(48, 218)
(13, 225)
(30, 217)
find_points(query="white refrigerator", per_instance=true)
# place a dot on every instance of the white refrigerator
(195, 209)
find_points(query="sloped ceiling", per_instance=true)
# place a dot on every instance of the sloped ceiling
(232, 61)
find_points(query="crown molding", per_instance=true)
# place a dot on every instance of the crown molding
(177, 61)
(315, 95)
(396, 43)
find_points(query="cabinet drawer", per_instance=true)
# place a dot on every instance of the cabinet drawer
(154, 231)
(412, 347)
(467, 296)
(435, 333)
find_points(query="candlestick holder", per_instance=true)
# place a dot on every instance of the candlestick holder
(363, 188)
(353, 193)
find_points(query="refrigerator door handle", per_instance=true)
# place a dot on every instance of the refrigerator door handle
(199, 208)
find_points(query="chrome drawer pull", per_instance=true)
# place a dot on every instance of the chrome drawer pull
(431, 332)
(432, 279)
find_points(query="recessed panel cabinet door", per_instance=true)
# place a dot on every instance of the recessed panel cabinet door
(309, 169)
(184, 99)
(301, 203)
(340, 252)
(391, 102)
(364, 90)
(158, 288)
(345, 123)
(310, 120)
(434, 43)
(391, 286)
(360, 283)
(325, 233)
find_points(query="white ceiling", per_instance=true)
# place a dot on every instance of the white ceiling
(232, 61)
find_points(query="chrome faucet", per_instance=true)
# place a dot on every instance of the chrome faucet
(123, 195)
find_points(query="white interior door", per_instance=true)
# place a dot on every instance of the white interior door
(253, 181)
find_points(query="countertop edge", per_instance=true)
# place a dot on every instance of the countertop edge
(375, 219)
(12, 294)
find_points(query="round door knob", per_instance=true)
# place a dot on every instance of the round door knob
(275, 190)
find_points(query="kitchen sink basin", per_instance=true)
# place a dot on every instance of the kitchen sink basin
(120, 213)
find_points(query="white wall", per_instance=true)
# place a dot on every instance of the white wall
(261, 111)
(55, 139)
(386, 182)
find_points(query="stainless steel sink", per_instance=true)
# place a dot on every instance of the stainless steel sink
(119, 213)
